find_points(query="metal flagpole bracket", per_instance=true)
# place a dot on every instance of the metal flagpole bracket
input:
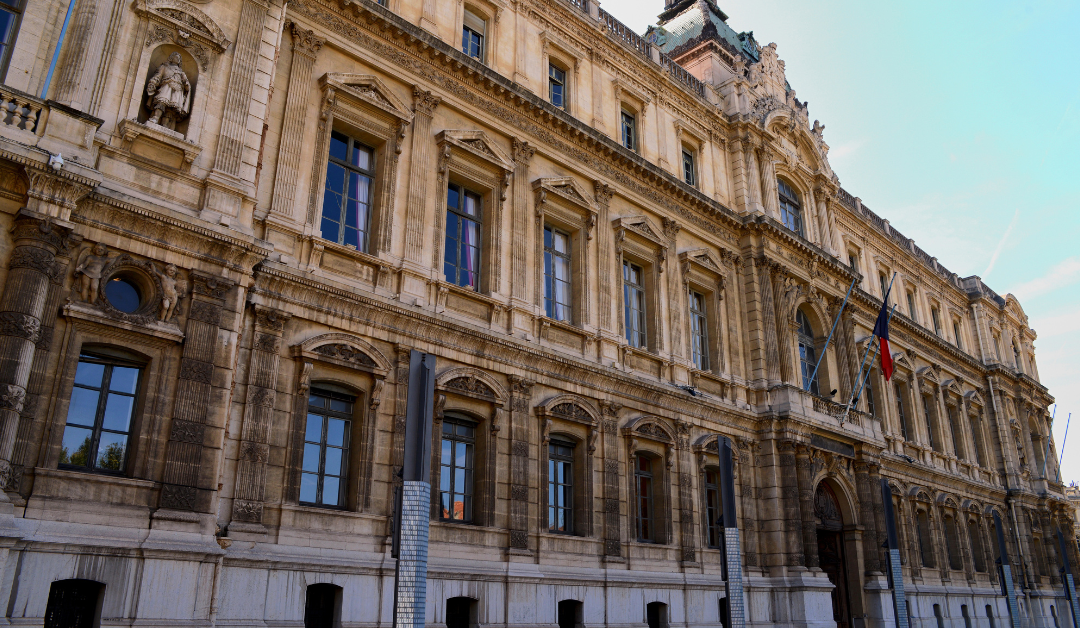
(733, 608)
(892, 544)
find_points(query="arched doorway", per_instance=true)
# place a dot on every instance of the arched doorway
(830, 542)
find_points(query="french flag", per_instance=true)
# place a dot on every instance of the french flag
(881, 330)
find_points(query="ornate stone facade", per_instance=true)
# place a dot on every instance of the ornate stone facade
(205, 301)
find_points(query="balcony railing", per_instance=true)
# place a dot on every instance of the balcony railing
(625, 34)
(21, 111)
(681, 75)
(580, 4)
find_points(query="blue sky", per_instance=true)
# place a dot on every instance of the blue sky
(959, 121)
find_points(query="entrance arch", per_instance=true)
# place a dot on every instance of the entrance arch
(837, 552)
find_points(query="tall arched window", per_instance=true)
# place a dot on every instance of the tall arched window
(807, 353)
(790, 207)
(975, 539)
(926, 549)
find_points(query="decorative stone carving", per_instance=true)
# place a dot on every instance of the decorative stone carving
(91, 263)
(173, 289)
(471, 385)
(169, 93)
(20, 325)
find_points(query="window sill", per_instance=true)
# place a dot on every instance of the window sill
(346, 261)
(565, 334)
(470, 303)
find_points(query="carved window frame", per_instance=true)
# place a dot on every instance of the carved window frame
(708, 460)
(471, 159)
(149, 430)
(555, 51)
(476, 395)
(490, 11)
(562, 203)
(702, 273)
(352, 363)
(689, 141)
(649, 435)
(364, 108)
(639, 240)
(636, 103)
(570, 418)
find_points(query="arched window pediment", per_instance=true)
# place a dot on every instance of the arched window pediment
(344, 350)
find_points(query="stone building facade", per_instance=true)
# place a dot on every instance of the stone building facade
(226, 224)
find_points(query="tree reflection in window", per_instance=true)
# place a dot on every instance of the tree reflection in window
(100, 412)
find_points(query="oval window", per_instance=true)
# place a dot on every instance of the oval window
(122, 295)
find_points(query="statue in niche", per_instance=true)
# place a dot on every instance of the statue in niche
(88, 271)
(173, 289)
(169, 93)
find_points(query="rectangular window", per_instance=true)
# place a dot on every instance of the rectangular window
(936, 320)
(699, 331)
(883, 284)
(473, 32)
(712, 508)
(557, 302)
(954, 429)
(10, 15)
(347, 197)
(456, 473)
(629, 130)
(911, 306)
(461, 259)
(976, 440)
(904, 431)
(99, 417)
(853, 261)
(326, 448)
(926, 403)
(557, 86)
(560, 487)
(869, 392)
(643, 484)
(634, 304)
(689, 171)
(956, 335)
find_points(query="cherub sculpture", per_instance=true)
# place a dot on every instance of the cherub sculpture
(173, 289)
(88, 271)
(169, 93)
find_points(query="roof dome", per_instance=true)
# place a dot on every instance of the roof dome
(686, 23)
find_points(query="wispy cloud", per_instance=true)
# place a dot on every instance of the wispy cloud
(845, 149)
(1063, 274)
(1001, 244)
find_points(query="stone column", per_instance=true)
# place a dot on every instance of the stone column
(748, 510)
(740, 186)
(609, 425)
(687, 536)
(424, 104)
(188, 482)
(786, 292)
(790, 503)
(230, 144)
(821, 196)
(520, 478)
(846, 358)
(865, 489)
(31, 270)
(804, 480)
(82, 54)
(522, 155)
(247, 507)
(606, 254)
(771, 194)
(753, 179)
(306, 47)
(772, 351)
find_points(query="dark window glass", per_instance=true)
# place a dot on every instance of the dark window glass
(634, 304)
(643, 485)
(926, 550)
(952, 541)
(560, 487)
(323, 607)
(712, 508)
(122, 295)
(868, 391)
(346, 215)
(975, 539)
(557, 274)
(689, 172)
(853, 261)
(956, 334)
(699, 331)
(936, 319)
(911, 307)
(904, 431)
(807, 353)
(99, 417)
(927, 402)
(456, 473)
(74, 603)
(629, 131)
(472, 35)
(556, 86)
(461, 263)
(326, 448)
(954, 429)
(10, 15)
(976, 437)
(790, 208)
(883, 284)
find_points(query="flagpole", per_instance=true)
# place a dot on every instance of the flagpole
(1049, 437)
(1063, 439)
(813, 377)
(884, 302)
(858, 393)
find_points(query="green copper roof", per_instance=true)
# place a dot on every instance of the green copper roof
(688, 21)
